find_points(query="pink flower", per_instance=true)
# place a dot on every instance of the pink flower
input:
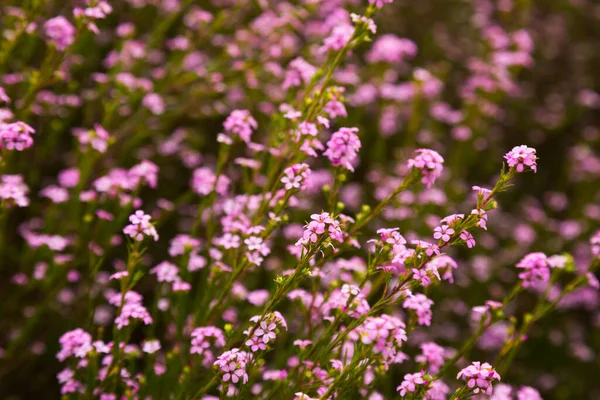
(296, 176)
(131, 310)
(535, 268)
(421, 275)
(154, 103)
(146, 172)
(151, 346)
(266, 331)
(240, 123)
(432, 355)
(232, 366)
(16, 136)
(410, 382)
(68, 178)
(422, 307)
(482, 217)
(76, 343)
(13, 191)
(59, 32)
(468, 238)
(479, 377)
(594, 241)
(55, 193)
(343, 147)
(302, 343)
(166, 272)
(430, 163)
(379, 3)
(205, 337)
(97, 138)
(443, 232)
(340, 35)
(299, 72)
(228, 241)
(391, 49)
(528, 393)
(203, 181)
(521, 157)
(140, 227)
(182, 243)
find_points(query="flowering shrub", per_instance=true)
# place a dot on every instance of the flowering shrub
(237, 199)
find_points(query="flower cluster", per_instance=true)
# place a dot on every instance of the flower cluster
(232, 366)
(140, 227)
(16, 136)
(13, 191)
(266, 330)
(386, 334)
(430, 163)
(422, 307)
(320, 224)
(205, 338)
(60, 32)
(479, 377)
(76, 343)
(535, 268)
(240, 123)
(296, 176)
(343, 147)
(132, 309)
(520, 157)
(410, 383)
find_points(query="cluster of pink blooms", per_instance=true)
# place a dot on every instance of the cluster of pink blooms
(13, 191)
(521, 157)
(169, 272)
(97, 9)
(240, 123)
(121, 183)
(386, 334)
(232, 366)
(76, 343)
(432, 354)
(379, 3)
(505, 392)
(60, 32)
(205, 338)
(479, 377)
(299, 71)
(320, 224)
(536, 270)
(266, 330)
(410, 383)
(16, 136)
(349, 300)
(97, 138)
(343, 147)
(296, 176)
(422, 307)
(595, 242)
(339, 37)
(140, 227)
(132, 309)
(431, 164)
(391, 49)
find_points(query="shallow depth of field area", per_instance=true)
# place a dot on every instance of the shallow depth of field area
(310, 199)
